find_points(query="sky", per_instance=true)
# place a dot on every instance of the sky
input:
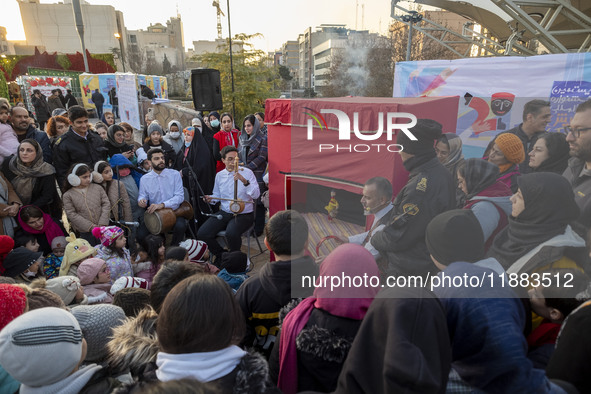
(277, 20)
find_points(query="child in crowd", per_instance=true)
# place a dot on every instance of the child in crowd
(154, 247)
(86, 204)
(26, 240)
(177, 253)
(142, 160)
(199, 254)
(8, 137)
(53, 261)
(95, 276)
(233, 268)
(23, 265)
(67, 287)
(77, 250)
(112, 249)
(553, 301)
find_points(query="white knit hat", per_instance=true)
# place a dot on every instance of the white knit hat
(41, 347)
(195, 249)
(128, 281)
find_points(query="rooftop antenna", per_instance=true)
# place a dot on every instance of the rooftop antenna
(356, 12)
(362, 16)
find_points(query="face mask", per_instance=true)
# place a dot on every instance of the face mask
(175, 135)
(124, 172)
(30, 274)
(215, 123)
(187, 144)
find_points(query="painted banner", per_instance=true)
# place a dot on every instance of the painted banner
(158, 84)
(45, 84)
(494, 90)
(88, 84)
(128, 101)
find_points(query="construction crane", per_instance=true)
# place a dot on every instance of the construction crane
(216, 4)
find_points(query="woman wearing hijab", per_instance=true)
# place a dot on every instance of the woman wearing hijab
(214, 121)
(115, 142)
(228, 135)
(253, 153)
(449, 152)
(506, 153)
(32, 178)
(317, 334)
(539, 235)
(486, 196)
(196, 155)
(550, 153)
(174, 137)
(402, 346)
(33, 220)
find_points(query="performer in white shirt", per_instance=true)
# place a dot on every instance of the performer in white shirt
(161, 188)
(377, 201)
(234, 224)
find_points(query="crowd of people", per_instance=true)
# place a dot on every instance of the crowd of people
(115, 305)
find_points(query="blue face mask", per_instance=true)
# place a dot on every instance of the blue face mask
(214, 123)
(187, 144)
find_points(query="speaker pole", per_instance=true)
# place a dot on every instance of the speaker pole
(231, 64)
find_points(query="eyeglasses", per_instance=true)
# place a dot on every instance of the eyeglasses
(576, 132)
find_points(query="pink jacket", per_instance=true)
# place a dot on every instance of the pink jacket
(9, 145)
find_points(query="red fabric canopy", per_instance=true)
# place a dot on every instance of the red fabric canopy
(347, 165)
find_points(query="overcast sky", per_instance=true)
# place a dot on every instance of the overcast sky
(277, 20)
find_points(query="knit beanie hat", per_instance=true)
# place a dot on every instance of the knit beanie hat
(76, 250)
(511, 146)
(97, 323)
(7, 280)
(107, 234)
(454, 236)
(132, 300)
(195, 249)
(64, 286)
(41, 347)
(18, 260)
(43, 298)
(141, 155)
(128, 281)
(155, 127)
(6, 245)
(234, 262)
(89, 269)
(58, 242)
(13, 302)
(426, 131)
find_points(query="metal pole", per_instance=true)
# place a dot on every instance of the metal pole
(80, 28)
(231, 63)
(409, 41)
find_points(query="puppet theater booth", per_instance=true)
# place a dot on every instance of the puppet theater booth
(303, 171)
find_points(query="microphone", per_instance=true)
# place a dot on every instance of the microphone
(213, 215)
(131, 224)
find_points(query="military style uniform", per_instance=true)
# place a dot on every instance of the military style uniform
(70, 148)
(430, 190)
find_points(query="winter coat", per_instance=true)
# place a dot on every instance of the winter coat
(428, 192)
(70, 148)
(225, 138)
(509, 178)
(322, 348)
(11, 197)
(581, 183)
(134, 344)
(54, 102)
(87, 210)
(257, 158)
(491, 207)
(70, 100)
(119, 266)
(117, 190)
(42, 113)
(113, 150)
(169, 153)
(262, 296)
(97, 98)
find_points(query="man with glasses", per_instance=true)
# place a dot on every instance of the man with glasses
(578, 136)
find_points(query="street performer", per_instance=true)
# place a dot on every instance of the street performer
(226, 190)
(161, 188)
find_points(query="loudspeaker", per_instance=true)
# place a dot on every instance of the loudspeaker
(207, 89)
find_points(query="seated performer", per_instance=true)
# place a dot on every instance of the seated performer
(161, 188)
(377, 201)
(247, 190)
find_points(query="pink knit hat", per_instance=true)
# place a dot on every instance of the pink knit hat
(107, 234)
(195, 249)
(89, 269)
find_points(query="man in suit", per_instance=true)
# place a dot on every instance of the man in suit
(377, 201)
